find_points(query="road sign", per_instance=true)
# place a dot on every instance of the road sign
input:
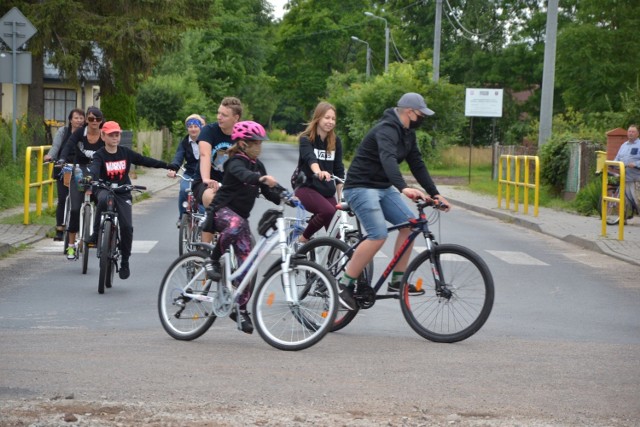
(23, 73)
(483, 103)
(24, 29)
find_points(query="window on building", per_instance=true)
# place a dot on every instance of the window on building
(58, 103)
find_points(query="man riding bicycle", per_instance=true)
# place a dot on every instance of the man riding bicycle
(112, 164)
(374, 186)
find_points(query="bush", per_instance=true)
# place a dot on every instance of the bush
(554, 163)
(587, 201)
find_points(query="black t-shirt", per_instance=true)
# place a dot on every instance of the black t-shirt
(114, 167)
(78, 149)
(220, 142)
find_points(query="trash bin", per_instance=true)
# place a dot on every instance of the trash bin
(126, 140)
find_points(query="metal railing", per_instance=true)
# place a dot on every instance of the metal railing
(39, 182)
(519, 180)
(620, 200)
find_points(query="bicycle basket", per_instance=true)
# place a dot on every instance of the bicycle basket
(268, 221)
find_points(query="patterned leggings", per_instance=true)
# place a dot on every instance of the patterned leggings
(234, 230)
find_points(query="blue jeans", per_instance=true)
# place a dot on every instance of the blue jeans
(374, 207)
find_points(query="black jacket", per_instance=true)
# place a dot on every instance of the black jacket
(383, 148)
(241, 186)
(185, 153)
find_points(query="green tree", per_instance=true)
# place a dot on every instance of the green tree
(596, 62)
(118, 40)
(312, 41)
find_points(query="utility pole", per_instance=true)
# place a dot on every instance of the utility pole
(436, 42)
(548, 74)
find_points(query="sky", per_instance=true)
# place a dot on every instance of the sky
(277, 7)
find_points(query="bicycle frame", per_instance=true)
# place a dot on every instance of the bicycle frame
(418, 226)
(249, 268)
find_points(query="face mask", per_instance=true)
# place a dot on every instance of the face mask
(415, 124)
(253, 150)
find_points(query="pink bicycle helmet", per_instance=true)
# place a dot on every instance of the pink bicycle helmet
(248, 131)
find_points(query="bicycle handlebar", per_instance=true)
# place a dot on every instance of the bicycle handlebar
(186, 178)
(117, 188)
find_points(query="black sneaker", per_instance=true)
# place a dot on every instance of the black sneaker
(394, 287)
(245, 321)
(213, 269)
(59, 237)
(345, 296)
(124, 272)
(92, 240)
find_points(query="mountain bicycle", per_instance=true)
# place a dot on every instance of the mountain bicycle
(108, 249)
(455, 284)
(190, 222)
(613, 190)
(189, 302)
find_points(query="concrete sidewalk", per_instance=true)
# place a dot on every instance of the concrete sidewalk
(579, 230)
(15, 236)
(572, 228)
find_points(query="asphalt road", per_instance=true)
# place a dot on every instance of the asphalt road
(560, 347)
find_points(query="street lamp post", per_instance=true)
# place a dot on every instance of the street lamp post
(386, 39)
(354, 38)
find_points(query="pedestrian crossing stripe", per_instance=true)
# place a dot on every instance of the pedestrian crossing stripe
(515, 257)
(138, 247)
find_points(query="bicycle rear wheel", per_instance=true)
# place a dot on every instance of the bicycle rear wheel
(330, 253)
(459, 306)
(181, 317)
(86, 232)
(613, 211)
(295, 325)
(105, 255)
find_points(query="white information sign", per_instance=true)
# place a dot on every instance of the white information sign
(483, 103)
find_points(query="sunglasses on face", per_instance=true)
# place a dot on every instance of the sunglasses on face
(94, 119)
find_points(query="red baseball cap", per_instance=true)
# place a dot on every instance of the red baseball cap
(110, 127)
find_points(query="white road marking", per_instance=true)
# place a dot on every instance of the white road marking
(138, 247)
(516, 258)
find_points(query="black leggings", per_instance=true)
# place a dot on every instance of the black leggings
(125, 213)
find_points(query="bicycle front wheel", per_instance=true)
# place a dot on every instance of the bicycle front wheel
(86, 232)
(105, 255)
(458, 293)
(184, 233)
(295, 325)
(181, 317)
(67, 216)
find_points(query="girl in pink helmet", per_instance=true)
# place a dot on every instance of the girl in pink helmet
(244, 178)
